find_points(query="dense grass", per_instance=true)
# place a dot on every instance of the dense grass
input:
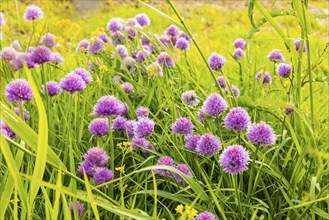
(286, 180)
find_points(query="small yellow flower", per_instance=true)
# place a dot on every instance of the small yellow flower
(191, 212)
(5, 28)
(121, 169)
(126, 144)
(119, 145)
(98, 31)
(103, 68)
(179, 209)
(130, 149)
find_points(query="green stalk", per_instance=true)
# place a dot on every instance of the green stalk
(309, 67)
(237, 192)
(196, 44)
(111, 153)
(252, 165)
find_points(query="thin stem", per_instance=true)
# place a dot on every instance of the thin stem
(111, 153)
(309, 69)
(196, 44)
(237, 192)
(251, 174)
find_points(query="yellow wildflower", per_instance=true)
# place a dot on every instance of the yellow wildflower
(179, 209)
(98, 31)
(121, 169)
(103, 68)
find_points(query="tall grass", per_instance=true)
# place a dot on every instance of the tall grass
(290, 179)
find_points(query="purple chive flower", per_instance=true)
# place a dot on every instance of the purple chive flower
(165, 59)
(205, 216)
(137, 143)
(172, 30)
(103, 175)
(221, 82)
(16, 45)
(144, 127)
(84, 46)
(53, 88)
(122, 51)
(88, 167)
(8, 53)
(115, 24)
(142, 111)
(275, 55)
(238, 53)
(116, 79)
(17, 112)
(201, 117)
(165, 40)
(131, 32)
(190, 98)
(235, 91)
(192, 141)
(85, 75)
(57, 58)
(289, 111)
(261, 133)
(140, 55)
(234, 159)
(154, 69)
(20, 59)
(33, 12)
(41, 55)
(103, 37)
(127, 87)
(184, 169)
(284, 70)
(80, 207)
(143, 20)
(266, 76)
(117, 38)
(108, 106)
(97, 47)
(185, 36)
(298, 43)
(132, 22)
(99, 127)
(182, 44)
(165, 160)
(48, 40)
(2, 19)
(237, 119)
(240, 43)
(96, 156)
(216, 61)
(130, 63)
(129, 129)
(72, 83)
(214, 105)
(119, 123)
(183, 126)
(208, 145)
(19, 90)
(6, 131)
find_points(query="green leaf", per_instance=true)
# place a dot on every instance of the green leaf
(42, 147)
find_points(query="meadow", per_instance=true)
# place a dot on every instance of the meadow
(161, 111)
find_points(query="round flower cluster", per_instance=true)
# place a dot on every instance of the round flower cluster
(265, 76)
(183, 126)
(214, 105)
(237, 119)
(190, 98)
(261, 134)
(18, 91)
(234, 159)
(99, 127)
(80, 208)
(93, 163)
(216, 61)
(284, 70)
(275, 55)
(168, 161)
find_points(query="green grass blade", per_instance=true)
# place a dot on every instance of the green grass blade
(14, 171)
(42, 147)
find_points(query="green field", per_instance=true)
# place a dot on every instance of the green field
(46, 168)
